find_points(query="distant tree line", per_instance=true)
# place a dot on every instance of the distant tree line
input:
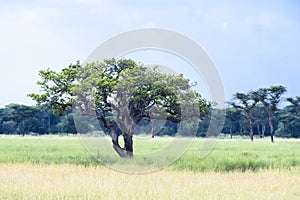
(257, 113)
(22, 119)
(39, 120)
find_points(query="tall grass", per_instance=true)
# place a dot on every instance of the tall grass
(65, 181)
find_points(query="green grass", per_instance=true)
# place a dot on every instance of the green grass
(227, 155)
(44, 150)
(243, 155)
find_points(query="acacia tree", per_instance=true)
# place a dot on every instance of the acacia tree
(270, 98)
(121, 93)
(246, 103)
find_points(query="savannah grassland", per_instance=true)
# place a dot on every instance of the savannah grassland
(59, 167)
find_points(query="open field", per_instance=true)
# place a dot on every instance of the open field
(59, 167)
(227, 155)
(65, 181)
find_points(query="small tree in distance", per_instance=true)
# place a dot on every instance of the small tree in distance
(245, 103)
(270, 98)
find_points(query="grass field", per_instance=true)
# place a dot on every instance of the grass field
(60, 167)
(227, 155)
(65, 181)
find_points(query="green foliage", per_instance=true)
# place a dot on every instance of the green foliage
(57, 88)
(115, 84)
(232, 121)
(67, 124)
(289, 122)
(270, 97)
(8, 127)
(21, 119)
(295, 102)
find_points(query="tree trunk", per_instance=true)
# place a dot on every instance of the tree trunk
(115, 140)
(251, 135)
(258, 130)
(127, 125)
(49, 125)
(263, 129)
(250, 128)
(125, 152)
(152, 131)
(128, 144)
(271, 129)
(230, 131)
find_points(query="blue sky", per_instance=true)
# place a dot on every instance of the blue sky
(253, 43)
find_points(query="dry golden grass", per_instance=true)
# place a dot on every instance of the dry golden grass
(27, 181)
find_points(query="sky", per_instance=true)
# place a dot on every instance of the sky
(252, 43)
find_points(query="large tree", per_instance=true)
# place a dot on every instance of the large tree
(120, 94)
(270, 98)
(246, 103)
